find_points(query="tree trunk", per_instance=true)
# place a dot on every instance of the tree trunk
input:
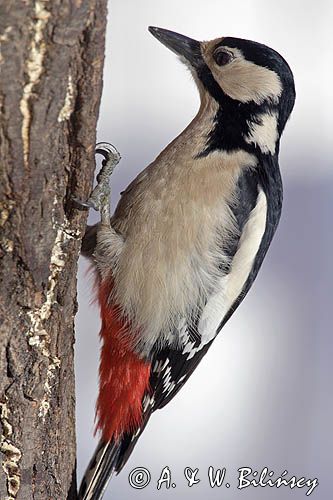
(51, 59)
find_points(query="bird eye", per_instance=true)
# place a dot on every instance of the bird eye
(221, 57)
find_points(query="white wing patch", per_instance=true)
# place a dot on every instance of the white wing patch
(213, 312)
(248, 247)
(230, 286)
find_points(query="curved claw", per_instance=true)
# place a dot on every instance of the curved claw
(99, 198)
(109, 152)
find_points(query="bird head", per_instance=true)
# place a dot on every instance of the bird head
(251, 83)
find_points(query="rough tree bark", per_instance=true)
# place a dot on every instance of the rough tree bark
(51, 59)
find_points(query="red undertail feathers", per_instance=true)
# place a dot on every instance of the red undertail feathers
(124, 377)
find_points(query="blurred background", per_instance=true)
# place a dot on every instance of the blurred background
(263, 395)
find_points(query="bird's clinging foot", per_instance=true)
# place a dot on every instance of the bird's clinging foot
(100, 196)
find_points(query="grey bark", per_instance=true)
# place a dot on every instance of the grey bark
(51, 60)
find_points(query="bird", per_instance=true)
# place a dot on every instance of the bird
(187, 238)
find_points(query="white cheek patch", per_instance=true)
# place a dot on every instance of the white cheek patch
(230, 286)
(265, 133)
(246, 81)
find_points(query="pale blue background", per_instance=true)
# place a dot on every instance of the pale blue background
(263, 394)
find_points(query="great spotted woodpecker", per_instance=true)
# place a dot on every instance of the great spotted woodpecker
(187, 238)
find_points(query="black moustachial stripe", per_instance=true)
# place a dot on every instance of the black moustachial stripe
(232, 124)
(233, 118)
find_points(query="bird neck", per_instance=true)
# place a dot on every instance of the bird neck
(191, 142)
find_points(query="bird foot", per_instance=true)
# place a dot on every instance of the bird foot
(100, 197)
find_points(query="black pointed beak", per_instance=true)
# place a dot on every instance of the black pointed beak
(180, 44)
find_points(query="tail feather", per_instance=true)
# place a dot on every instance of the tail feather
(100, 470)
(109, 459)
